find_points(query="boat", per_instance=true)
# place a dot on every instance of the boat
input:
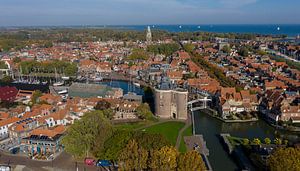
(65, 78)
(58, 84)
(63, 91)
(137, 84)
(180, 27)
(98, 79)
(278, 28)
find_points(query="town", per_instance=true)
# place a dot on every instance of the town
(97, 98)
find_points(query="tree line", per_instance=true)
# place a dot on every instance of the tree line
(94, 136)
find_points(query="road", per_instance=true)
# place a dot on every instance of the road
(62, 162)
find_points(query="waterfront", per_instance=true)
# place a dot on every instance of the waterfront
(211, 127)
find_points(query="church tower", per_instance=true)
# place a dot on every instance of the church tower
(149, 35)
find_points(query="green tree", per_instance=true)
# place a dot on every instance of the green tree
(284, 159)
(138, 54)
(133, 157)
(143, 111)
(189, 47)
(114, 145)
(267, 140)
(36, 94)
(226, 49)
(246, 141)
(277, 141)
(150, 141)
(7, 79)
(256, 141)
(3, 65)
(102, 105)
(191, 161)
(87, 135)
(243, 51)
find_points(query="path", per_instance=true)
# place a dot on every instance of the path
(179, 137)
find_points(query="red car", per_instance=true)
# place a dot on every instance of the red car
(89, 161)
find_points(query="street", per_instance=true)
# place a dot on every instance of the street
(62, 162)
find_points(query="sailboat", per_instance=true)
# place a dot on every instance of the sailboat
(57, 83)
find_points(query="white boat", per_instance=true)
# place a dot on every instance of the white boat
(63, 91)
(65, 78)
(98, 79)
(137, 84)
(58, 84)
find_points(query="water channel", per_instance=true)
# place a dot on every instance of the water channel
(211, 127)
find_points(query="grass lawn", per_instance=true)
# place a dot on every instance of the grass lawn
(168, 129)
(132, 126)
(186, 132)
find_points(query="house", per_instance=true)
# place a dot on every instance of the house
(8, 94)
(5, 124)
(43, 142)
(230, 101)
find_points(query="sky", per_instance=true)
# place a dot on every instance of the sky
(143, 12)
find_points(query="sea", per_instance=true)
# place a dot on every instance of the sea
(289, 30)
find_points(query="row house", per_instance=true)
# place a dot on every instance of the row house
(277, 105)
(230, 102)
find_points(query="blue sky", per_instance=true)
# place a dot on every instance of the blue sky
(139, 12)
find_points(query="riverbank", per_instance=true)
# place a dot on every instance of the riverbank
(212, 113)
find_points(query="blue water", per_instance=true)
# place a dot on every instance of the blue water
(289, 30)
(126, 86)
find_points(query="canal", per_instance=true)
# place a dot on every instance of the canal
(211, 127)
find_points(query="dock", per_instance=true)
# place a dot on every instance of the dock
(197, 142)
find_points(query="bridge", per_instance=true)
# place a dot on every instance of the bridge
(203, 105)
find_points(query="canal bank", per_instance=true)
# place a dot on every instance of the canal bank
(211, 128)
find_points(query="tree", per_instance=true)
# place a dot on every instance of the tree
(102, 105)
(267, 140)
(150, 141)
(7, 79)
(87, 135)
(36, 94)
(243, 51)
(256, 141)
(284, 159)
(16, 60)
(164, 159)
(138, 54)
(143, 111)
(246, 141)
(133, 157)
(278, 141)
(114, 145)
(226, 49)
(189, 47)
(191, 161)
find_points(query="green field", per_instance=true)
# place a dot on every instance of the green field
(186, 132)
(132, 126)
(168, 129)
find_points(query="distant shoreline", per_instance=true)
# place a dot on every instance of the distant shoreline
(291, 30)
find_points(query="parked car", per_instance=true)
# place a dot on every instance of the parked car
(89, 161)
(103, 163)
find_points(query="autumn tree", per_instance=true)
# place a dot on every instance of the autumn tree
(190, 161)
(164, 159)
(133, 157)
(284, 159)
